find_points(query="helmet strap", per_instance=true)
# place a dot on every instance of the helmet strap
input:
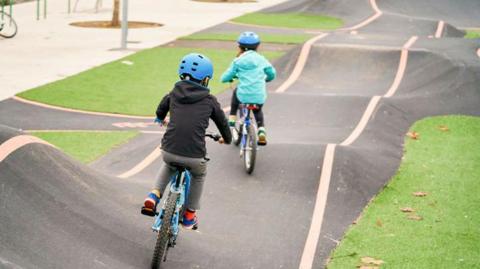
(205, 81)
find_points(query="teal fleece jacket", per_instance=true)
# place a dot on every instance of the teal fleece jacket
(252, 71)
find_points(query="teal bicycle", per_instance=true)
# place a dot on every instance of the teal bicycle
(167, 220)
(8, 26)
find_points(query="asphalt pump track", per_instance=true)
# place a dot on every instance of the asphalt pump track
(336, 117)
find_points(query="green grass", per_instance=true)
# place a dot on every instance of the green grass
(86, 146)
(291, 20)
(266, 38)
(472, 34)
(130, 89)
(446, 165)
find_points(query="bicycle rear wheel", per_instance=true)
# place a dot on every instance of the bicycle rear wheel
(250, 153)
(8, 27)
(163, 238)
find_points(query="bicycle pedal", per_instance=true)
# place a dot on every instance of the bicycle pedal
(148, 212)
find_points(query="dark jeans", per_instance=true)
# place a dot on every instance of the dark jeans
(258, 113)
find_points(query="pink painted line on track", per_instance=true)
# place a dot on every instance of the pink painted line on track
(440, 27)
(301, 61)
(19, 99)
(143, 164)
(14, 143)
(375, 16)
(310, 247)
(308, 255)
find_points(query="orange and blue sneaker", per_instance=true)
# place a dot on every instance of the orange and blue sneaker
(189, 220)
(149, 207)
(262, 137)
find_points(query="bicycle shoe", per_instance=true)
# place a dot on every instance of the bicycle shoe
(189, 220)
(262, 137)
(149, 207)
(231, 120)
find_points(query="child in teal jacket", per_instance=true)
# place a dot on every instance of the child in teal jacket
(252, 71)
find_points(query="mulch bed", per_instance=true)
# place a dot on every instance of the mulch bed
(108, 24)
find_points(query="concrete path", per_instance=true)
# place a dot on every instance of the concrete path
(50, 49)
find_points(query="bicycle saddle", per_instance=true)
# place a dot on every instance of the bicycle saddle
(251, 106)
(179, 166)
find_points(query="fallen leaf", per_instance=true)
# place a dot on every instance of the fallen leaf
(443, 128)
(367, 267)
(420, 194)
(413, 135)
(371, 261)
(379, 223)
(415, 217)
(407, 209)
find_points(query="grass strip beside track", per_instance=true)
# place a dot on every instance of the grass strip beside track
(443, 231)
(86, 146)
(291, 20)
(265, 38)
(133, 85)
(472, 34)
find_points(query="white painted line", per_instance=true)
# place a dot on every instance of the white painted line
(308, 255)
(78, 111)
(310, 248)
(438, 33)
(14, 143)
(143, 164)
(375, 16)
(301, 61)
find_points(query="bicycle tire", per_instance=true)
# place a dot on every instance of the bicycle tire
(249, 156)
(8, 25)
(165, 231)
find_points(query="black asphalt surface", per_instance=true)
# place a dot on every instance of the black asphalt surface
(57, 213)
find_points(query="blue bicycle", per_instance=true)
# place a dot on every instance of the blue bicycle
(167, 220)
(245, 134)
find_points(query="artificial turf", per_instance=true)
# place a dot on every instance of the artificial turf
(86, 146)
(439, 179)
(472, 34)
(265, 38)
(291, 20)
(133, 85)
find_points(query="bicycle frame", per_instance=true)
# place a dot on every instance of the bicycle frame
(179, 183)
(246, 123)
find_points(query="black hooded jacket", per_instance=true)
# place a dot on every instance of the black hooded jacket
(191, 106)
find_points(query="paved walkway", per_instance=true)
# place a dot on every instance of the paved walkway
(50, 49)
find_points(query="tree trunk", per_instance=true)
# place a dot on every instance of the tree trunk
(116, 13)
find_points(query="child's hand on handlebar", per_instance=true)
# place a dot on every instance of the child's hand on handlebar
(160, 122)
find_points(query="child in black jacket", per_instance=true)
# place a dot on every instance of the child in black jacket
(191, 106)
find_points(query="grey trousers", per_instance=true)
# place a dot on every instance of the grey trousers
(198, 169)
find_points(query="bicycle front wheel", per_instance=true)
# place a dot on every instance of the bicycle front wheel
(8, 27)
(163, 238)
(250, 149)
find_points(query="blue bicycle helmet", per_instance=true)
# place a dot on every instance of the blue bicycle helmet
(248, 40)
(196, 66)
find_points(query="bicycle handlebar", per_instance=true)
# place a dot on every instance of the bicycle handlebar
(213, 136)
